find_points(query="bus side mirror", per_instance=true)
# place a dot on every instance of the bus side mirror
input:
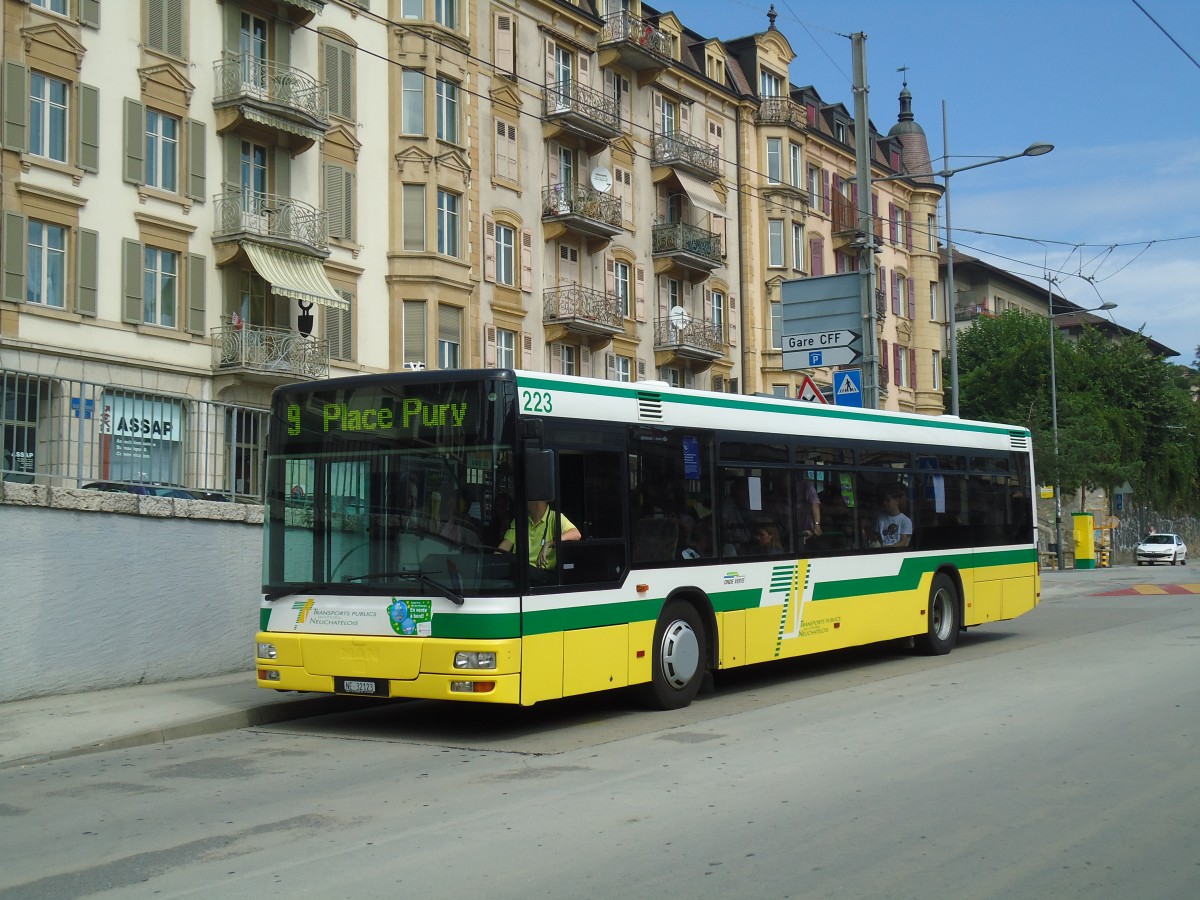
(539, 475)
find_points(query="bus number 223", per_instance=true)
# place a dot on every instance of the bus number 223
(536, 401)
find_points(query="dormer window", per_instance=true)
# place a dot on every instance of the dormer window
(770, 84)
(839, 132)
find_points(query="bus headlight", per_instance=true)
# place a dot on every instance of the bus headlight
(475, 659)
(266, 650)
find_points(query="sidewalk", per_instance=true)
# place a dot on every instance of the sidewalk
(48, 728)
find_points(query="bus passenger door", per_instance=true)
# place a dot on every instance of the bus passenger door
(590, 495)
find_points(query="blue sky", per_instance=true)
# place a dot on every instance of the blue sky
(1096, 78)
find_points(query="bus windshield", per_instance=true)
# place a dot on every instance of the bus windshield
(403, 485)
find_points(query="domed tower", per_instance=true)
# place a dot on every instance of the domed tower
(914, 156)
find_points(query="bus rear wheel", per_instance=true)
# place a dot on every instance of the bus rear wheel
(943, 617)
(677, 666)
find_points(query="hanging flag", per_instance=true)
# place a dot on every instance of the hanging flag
(236, 320)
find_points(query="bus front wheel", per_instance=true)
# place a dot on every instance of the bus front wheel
(943, 617)
(678, 658)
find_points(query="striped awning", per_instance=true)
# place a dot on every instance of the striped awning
(281, 124)
(293, 275)
(701, 194)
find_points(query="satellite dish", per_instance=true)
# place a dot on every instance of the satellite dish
(602, 179)
(679, 317)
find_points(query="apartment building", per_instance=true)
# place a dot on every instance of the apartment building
(203, 200)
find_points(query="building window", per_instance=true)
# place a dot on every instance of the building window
(798, 246)
(931, 228)
(717, 311)
(776, 325)
(412, 102)
(901, 361)
(47, 117)
(505, 252)
(774, 160)
(446, 12)
(621, 368)
(414, 334)
(161, 287)
(898, 225)
(447, 111)
(46, 265)
(669, 119)
(671, 376)
(814, 186)
(506, 349)
(933, 302)
(339, 78)
(447, 223)
(770, 84)
(412, 9)
(449, 337)
(936, 380)
(622, 287)
(797, 172)
(779, 390)
(339, 329)
(566, 359)
(55, 6)
(162, 151)
(505, 156)
(414, 218)
(839, 132)
(674, 292)
(775, 242)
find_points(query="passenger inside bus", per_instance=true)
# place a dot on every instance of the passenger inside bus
(892, 527)
(766, 538)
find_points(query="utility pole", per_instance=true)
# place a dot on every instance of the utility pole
(866, 223)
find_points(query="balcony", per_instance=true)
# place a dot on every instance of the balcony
(257, 94)
(692, 155)
(633, 43)
(845, 215)
(274, 355)
(782, 111)
(274, 219)
(971, 312)
(583, 311)
(885, 378)
(687, 338)
(579, 110)
(690, 250)
(582, 209)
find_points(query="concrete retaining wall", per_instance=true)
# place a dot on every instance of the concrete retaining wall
(101, 590)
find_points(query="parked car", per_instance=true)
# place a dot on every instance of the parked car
(145, 488)
(1168, 548)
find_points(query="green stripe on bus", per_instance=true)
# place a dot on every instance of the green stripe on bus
(466, 626)
(734, 401)
(914, 568)
(264, 619)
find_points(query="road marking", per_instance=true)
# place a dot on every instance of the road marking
(1152, 589)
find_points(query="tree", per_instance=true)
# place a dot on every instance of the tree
(1123, 415)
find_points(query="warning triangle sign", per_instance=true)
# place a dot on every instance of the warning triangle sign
(809, 392)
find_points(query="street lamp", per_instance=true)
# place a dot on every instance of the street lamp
(1050, 315)
(1036, 149)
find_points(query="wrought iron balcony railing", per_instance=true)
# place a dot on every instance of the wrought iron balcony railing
(625, 27)
(881, 306)
(570, 98)
(675, 148)
(676, 237)
(275, 351)
(581, 200)
(270, 216)
(696, 334)
(574, 303)
(781, 111)
(246, 76)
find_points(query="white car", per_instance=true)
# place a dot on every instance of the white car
(1168, 548)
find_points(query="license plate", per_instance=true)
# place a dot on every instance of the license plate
(369, 687)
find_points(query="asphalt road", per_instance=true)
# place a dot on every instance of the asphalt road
(1052, 756)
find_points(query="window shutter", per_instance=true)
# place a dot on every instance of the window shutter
(500, 155)
(685, 124)
(135, 142)
(527, 260)
(610, 366)
(489, 346)
(912, 368)
(641, 370)
(826, 197)
(89, 128)
(892, 222)
(585, 360)
(334, 198)
(550, 72)
(132, 272)
(196, 165)
(895, 292)
(339, 329)
(816, 253)
(731, 322)
(89, 13)
(556, 358)
(414, 332)
(912, 299)
(195, 293)
(14, 257)
(489, 249)
(585, 70)
(503, 43)
(16, 105)
(639, 294)
(526, 350)
(610, 275)
(173, 26)
(345, 93)
(897, 352)
(810, 114)
(908, 236)
(656, 122)
(87, 263)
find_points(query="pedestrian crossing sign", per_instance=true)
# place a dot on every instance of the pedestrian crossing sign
(847, 387)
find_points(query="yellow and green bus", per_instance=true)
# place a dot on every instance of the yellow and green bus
(408, 551)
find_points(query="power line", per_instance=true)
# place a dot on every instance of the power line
(1167, 33)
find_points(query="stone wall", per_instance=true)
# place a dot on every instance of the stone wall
(102, 590)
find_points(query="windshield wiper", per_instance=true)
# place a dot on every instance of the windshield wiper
(304, 587)
(442, 590)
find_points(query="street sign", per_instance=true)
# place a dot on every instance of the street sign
(847, 388)
(809, 392)
(836, 347)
